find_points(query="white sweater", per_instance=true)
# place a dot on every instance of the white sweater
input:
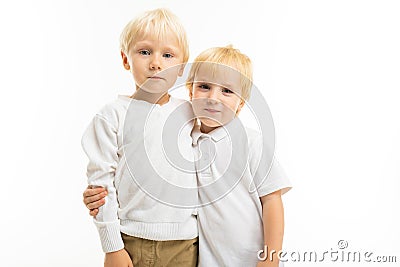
(148, 196)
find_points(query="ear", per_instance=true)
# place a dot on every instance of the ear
(190, 88)
(181, 69)
(242, 102)
(125, 61)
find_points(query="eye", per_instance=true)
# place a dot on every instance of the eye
(144, 52)
(227, 91)
(168, 55)
(204, 86)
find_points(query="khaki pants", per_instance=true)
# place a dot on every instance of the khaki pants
(150, 253)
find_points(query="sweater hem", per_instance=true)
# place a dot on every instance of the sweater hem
(161, 231)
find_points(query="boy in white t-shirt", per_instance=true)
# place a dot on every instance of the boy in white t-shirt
(239, 204)
(240, 210)
(124, 146)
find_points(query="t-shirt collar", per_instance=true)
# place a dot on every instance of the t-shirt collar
(216, 135)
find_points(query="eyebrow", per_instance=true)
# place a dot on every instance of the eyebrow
(227, 85)
(169, 47)
(147, 43)
(203, 80)
(142, 42)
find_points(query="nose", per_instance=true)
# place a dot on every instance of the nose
(213, 95)
(155, 63)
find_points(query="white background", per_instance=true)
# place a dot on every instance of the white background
(329, 71)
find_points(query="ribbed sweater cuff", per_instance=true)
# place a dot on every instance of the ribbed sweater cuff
(110, 236)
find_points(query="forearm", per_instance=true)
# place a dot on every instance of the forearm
(100, 145)
(273, 221)
(107, 222)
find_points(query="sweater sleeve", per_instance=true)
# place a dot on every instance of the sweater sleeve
(101, 146)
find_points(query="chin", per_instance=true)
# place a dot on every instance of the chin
(210, 123)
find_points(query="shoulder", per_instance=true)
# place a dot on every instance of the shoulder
(178, 101)
(117, 106)
(254, 137)
(120, 104)
(261, 146)
(114, 111)
(182, 107)
(259, 139)
(252, 133)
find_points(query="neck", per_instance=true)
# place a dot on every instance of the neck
(206, 129)
(153, 98)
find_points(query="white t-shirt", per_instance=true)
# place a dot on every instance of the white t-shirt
(230, 222)
(149, 194)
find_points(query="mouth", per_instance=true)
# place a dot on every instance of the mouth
(211, 110)
(155, 78)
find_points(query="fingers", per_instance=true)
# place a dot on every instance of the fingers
(96, 204)
(94, 198)
(93, 212)
(90, 191)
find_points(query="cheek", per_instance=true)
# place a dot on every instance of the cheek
(233, 105)
(198, 102)
(197, 94)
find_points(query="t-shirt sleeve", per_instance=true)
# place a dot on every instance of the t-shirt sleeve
(100, 144)
(268, 174)
(275, 180)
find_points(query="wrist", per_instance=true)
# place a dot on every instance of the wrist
(115, 252)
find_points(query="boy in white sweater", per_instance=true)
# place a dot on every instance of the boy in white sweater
(141, 221)
(239, 181)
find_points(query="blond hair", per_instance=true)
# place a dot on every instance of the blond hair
(227, 56)
(158, 22)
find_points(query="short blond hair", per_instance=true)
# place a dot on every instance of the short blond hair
(158, 23)
(227, 56)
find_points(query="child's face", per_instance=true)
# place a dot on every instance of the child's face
(155, 64)
(216, 96)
